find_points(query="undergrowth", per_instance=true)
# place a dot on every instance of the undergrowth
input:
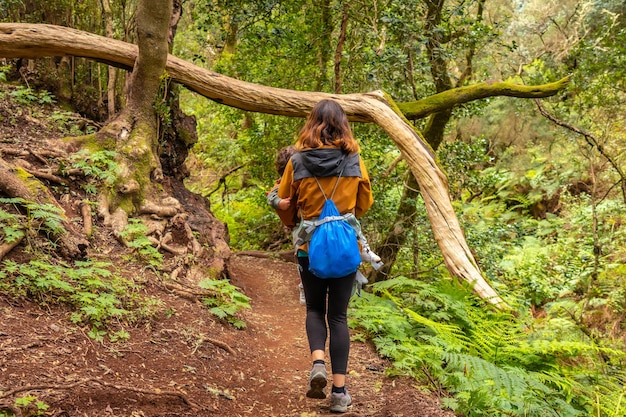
(491, 362)
(98, 296)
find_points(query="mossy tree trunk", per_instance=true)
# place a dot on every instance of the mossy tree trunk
(404, 221)
(133, 132)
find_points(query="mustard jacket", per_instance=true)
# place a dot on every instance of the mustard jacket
(353, 192)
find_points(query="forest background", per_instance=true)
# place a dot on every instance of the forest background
(537, 185)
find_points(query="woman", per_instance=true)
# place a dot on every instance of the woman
(327, 153)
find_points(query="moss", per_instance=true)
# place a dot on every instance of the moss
(35, 187)
(212, 273)
(127, 204)
(93, 142)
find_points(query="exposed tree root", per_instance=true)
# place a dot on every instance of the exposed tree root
(85, 211)
(86, 381)
(8, 247)
(17, 183)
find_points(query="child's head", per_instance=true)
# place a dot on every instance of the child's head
(284, 154)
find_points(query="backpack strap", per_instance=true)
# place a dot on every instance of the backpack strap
(342, 162)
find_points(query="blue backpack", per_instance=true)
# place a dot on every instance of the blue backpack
(333, 249)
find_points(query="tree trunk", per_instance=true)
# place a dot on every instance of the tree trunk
(339, 49)
(45, 40)
(396, 236)
(134, 130)
(112, 78)
(324, 46)
(433, 133)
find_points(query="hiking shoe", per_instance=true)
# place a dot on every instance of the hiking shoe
(317, 381)
(302, 297)
(339, 402)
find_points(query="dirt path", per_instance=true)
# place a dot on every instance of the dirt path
(281, 359)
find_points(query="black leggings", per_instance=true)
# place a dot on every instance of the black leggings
(338, 291)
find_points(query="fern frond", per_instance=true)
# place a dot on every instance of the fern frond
(452, 335)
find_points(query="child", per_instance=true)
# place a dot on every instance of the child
(277, 203)
(282, 204)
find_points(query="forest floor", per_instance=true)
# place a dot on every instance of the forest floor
(187, 362)
(190, 364)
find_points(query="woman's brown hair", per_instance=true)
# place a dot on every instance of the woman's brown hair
(327, 125)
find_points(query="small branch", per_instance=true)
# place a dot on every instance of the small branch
(186, 293)
(221, 345)
(392, 166)
(222, 180)
(591, 141)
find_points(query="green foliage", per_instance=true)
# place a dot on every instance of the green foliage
(101, 299)
(38, 218)
(4, 69)
(24, 402)
(226, 302)
(98, 166)
(67, 120)
(11, 228)
(27, 96)
(489, 361)
(134, 235)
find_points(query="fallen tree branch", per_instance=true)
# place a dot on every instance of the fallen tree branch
(221, 345)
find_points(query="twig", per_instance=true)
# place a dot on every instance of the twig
(185, 292)
(392, 166)
(222, 179)
(222, 345)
